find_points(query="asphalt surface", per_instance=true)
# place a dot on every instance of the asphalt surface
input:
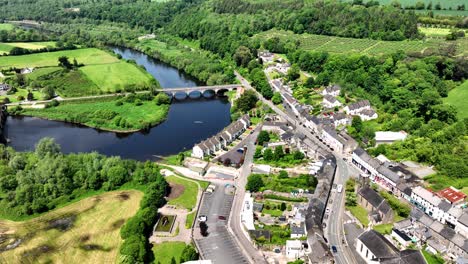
(335, 230)
(234, 221)
(219, 246)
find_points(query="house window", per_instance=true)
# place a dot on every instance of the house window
(367, 253)
(362, 246)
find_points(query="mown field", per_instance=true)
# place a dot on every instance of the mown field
(350, 45)
(458, 97)
(105, 114)
(83, 232)
(5, 48)
(445, 4)
(435, 32)
(188, 197)
(164, 252)
(102, 73)
(6, 26)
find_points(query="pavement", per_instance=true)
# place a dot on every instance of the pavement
(219, 246)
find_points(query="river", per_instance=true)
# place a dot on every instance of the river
(189, 121)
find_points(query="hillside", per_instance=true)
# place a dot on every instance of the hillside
(458, 97)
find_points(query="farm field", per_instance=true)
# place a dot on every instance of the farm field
(21, 92)
(458, 97)
(435, 32)
(447, 4)
(6, 47)
(83, 232)
(350, 45)
(105, 114)
(102, 73)
(88, 56)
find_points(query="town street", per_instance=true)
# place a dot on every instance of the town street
(335, 231)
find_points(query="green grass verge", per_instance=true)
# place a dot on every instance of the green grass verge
(21, 92)
(6, 26)
(164, 252)
(360, 213)
(105, 115)
(188, 199)
(458, 98)
(190, 218)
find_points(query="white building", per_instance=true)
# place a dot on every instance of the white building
(428, 202)
(247, 217)
(367, 114)
(330, 101)
(387, 137)
(333, 90)
(355, 108)
(294, 249)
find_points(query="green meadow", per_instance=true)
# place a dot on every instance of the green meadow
(5, 48)
(6, 26)
(458, 97)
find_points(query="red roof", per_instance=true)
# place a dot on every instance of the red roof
(452, 195)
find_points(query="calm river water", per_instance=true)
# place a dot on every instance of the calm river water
(189, 121)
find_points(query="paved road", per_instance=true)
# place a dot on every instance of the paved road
(219, 246)
(235, 221)
(344, 171)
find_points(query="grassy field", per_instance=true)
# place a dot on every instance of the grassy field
(102, 73)
(96, 114)
(164, 252)
(6, 47)
(384, 228)
(188, 197)
(89, 56)
(109, 77)
(435, 32)
(5, 26)
(360, 213)
(83, 232)
(445, 4)
(21, 92)
(350, 45)
(458, 97)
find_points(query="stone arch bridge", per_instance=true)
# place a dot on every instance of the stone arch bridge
(217, 89)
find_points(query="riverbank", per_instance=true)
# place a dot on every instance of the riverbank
(120, 114)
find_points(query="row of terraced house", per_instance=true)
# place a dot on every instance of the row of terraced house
(221, 140)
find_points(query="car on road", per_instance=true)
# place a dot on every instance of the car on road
(334, 186)
(202, 218)
(326, 216)
(221, 217)
(327, 211)
(324, 225)
(334, 249)
(240, 150)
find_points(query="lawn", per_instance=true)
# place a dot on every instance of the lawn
(87, 56)
(21, 92)
(6, 26)
(105, 114)
(360, 213)
(83, 232)
(109, 77)
(164, 252)
(458, 97)
(188, 198)
(432, 259)
(384, 229)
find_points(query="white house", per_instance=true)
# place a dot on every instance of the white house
(428, 202)
(387, 137)
(355, 108)
(333, 90)
(247, 217)
(294, 249)
(330, 101)
(340, 119)
(367, 114)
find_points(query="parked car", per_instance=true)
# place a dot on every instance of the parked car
(202, 218)
(327, 211)
(334, 249)
(221, 217)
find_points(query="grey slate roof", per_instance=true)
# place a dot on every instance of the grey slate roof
(360, 104)
(332, 88)
(445, 206)
(371, 196)
(298, 229)
(367, 112)
(378, 244)
(405, 223)
(389, 174)
(463, 219)
(329, 98)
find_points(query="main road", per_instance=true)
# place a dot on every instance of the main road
(335, 229)
(235, 220)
